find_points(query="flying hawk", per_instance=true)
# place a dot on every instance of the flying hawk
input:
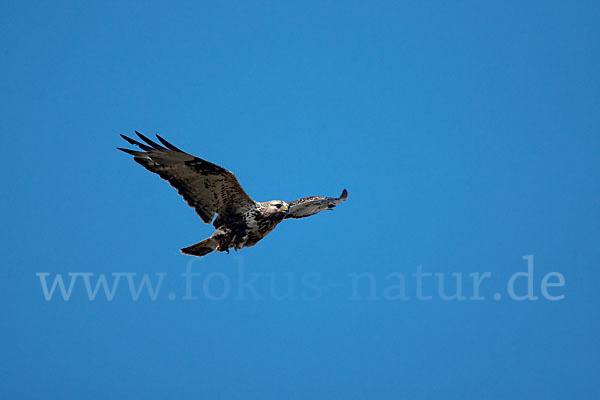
(211, 189)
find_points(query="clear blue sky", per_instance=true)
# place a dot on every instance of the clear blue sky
(466, 134)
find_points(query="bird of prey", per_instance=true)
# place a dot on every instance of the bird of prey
(212, 190)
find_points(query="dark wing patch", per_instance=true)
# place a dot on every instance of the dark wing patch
(207, 187)
(308, 206)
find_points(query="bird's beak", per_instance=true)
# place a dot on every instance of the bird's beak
(285, 208)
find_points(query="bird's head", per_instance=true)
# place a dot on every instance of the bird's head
(275, 207)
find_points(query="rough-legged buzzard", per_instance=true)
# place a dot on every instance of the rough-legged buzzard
(212, 190)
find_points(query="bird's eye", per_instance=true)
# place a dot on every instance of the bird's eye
(278, 205)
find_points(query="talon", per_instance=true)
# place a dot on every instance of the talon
(218, 248)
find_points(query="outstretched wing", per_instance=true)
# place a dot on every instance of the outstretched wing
(206, 187)
(311, 205)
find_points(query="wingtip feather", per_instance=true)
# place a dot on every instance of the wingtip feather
(149, 141)
(136, 143)
(168, 145)
(132, 152)
(127, 138)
